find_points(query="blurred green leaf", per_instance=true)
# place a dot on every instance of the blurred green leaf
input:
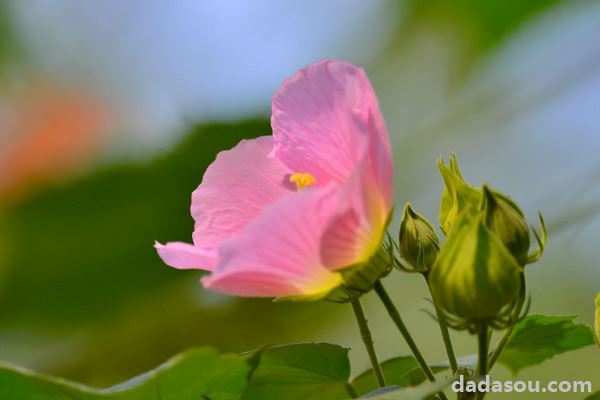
(91, 239)
(540, 337)
(485, 23)
(301, 372)
(597, 320)
(9, 48)
(84, 294)
(196, 374)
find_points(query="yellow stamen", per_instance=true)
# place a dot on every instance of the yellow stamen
(302, 180)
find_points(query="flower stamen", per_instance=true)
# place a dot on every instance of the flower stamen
(302, 180)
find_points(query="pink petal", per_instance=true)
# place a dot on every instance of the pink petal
(235, 188)
(324, 120)
(356, 232)
(185, 256)
(379, 164)
(278, 254)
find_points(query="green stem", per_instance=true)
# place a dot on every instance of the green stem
(395, 315)
(351, 391)
(482, 363)
(445, 332)
(500, 346)
(508, 332)
(365, 333)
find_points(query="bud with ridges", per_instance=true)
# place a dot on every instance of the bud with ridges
(504, 218)
(419, 244)
(458, 196)
(475, 279)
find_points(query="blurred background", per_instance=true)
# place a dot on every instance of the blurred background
(110, 111)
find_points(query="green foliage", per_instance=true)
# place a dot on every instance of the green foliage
(398, 371)
(540, 337)
(291, 372)
(301, 372)
(196, 374)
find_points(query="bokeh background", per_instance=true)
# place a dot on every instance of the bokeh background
(111, 110)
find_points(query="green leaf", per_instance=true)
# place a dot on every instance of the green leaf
(466, 362)
(540, 337)
(421, 392)
(399, 371)
(594, 396)
(301, 371)
(404, 372)
(196, 374)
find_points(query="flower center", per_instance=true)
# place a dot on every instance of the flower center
(302, 180)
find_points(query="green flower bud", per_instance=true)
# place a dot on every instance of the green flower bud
(506, 220)
(419, 244)
(458, 195)
(475, 279)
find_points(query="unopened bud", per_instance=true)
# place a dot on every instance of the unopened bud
(419, 244)
(475, 279)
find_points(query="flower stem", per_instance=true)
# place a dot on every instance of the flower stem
(482, 363)
(351, 391)
(395, 315)
(500, 346)
(365, 333)
(445, 333)
(508, 332)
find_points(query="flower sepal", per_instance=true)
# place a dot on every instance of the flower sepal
(505, 219)
(458, 197)
(361, 278)
(542, 240)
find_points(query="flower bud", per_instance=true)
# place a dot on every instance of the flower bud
(475, 279)
(419, 244)
(504, 218)
(458, 195)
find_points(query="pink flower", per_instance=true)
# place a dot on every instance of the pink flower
(282, 215)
